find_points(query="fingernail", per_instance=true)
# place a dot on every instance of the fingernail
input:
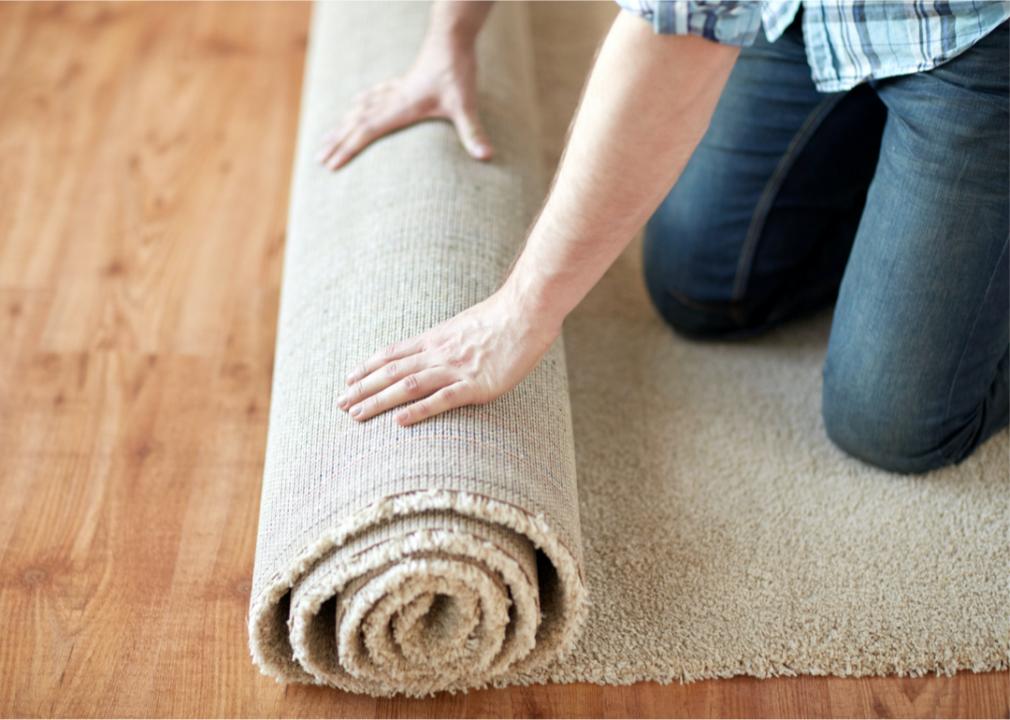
(341, 400)
(355, 411)
(401, 418)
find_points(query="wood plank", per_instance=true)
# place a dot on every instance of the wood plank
(145, 155)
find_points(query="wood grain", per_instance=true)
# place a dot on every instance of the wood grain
(145, 155)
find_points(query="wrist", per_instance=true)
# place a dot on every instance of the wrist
(536, 293)
(443, 52)
(455, 43)
(457, 24)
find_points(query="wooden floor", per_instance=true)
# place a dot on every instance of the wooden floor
(145, 154)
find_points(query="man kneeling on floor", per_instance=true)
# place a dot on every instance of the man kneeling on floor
(818, 151)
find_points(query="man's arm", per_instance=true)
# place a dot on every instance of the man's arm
(647, 104)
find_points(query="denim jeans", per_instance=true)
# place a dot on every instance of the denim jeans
(892, 201)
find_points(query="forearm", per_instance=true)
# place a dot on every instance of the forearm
(647, 104)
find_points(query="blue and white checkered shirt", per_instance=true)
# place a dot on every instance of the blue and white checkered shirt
(847, 41)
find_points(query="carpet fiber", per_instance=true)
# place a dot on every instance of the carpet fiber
(641, 507)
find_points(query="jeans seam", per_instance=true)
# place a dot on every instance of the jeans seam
(799, 142)
(947, 451)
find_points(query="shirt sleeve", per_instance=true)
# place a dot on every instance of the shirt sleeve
(732, 22)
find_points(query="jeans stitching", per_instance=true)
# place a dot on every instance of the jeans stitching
(947, 451)
(763, 207)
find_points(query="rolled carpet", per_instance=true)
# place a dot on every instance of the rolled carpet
(713, 529)
(447, 554)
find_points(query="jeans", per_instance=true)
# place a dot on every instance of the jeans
(891, 201)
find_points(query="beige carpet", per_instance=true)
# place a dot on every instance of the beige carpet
(640, 508)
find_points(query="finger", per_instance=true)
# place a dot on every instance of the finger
(355, 142)
(380, 379)
(360, 138)
(359, 107)
(340, 131)
(359, 118)
(333, 139)
(411, 387)
(324, 155)
(369, 131)
(356, 114)
(384, 356)
(472, 135)
(449, 397)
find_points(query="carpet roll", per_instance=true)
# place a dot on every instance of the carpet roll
(447, 555)
(714, 530)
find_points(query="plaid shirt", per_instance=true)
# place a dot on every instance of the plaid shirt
(847, 41)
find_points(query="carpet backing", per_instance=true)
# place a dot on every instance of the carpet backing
(640, 507)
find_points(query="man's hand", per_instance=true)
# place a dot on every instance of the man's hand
(442, 84)
(471, 358)
(647, 104)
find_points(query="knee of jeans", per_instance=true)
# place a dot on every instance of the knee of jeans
(667, 258)
(870, 421)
